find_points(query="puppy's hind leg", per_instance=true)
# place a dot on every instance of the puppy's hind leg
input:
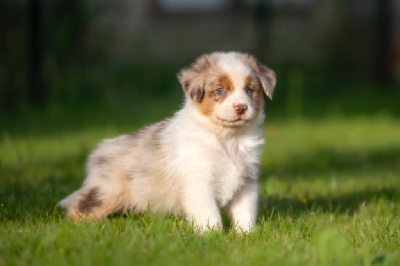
(90, 202)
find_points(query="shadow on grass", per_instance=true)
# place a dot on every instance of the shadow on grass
(322, 164)
(27, 197)
(328, 160)
(335, 204)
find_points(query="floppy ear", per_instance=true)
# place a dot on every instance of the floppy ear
(192, 84)
(193, 78)
(268, 79)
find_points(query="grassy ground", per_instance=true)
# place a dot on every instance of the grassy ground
(329, 194)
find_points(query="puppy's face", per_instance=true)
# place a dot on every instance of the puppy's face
(228, 87)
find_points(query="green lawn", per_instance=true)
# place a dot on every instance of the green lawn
(329, 194)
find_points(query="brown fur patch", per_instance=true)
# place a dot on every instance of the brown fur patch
(160, 126)
(134, 136)
(101, 160)
(225, 82)
(154, 136)
(197, 94)
(253, 82)
(266, 75)
(211, 98)
(247, 81)
(89, 201)
(193, 78)
(268, 79)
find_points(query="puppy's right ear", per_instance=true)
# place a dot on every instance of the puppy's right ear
(192, 78)
(268, 79)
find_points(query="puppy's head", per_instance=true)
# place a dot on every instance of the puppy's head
(228, 87)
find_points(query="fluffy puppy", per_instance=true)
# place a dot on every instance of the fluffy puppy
(204, 158)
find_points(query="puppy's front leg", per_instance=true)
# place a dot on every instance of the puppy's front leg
(243, 207)
(200, 207)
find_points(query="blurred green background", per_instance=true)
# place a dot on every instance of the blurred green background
(77, 63)
(73, 72)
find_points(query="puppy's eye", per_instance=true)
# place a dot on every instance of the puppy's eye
(248, 90)
(220, 90)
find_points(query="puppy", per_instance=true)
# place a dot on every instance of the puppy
(201, 160)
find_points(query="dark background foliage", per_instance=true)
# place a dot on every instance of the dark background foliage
(331, 57)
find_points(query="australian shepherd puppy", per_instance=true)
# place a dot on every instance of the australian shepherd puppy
(203, 159)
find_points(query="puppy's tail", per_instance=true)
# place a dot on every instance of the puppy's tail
(63, 204)
(90, 203)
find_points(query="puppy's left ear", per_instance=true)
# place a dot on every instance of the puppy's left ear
(268, 79)
(192, 83)
(193, 78)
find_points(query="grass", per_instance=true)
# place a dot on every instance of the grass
(329, 194)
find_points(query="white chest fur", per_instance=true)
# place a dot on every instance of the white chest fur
(221, 163)
(235, 160)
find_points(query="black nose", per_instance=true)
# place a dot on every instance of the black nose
(240, 108)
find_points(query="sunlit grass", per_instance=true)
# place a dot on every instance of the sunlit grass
(329, 193)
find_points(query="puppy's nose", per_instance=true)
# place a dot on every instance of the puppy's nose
(240, 108)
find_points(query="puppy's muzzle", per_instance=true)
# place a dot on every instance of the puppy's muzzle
(240, 109)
